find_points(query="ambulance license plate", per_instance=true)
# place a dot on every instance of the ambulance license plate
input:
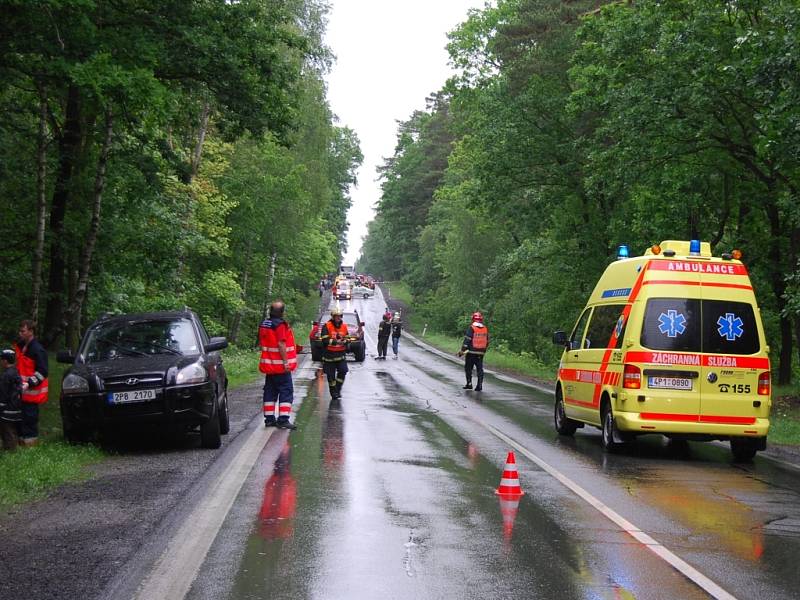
(131, 396)
(670, 383)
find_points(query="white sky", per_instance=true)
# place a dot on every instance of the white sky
(390, 55)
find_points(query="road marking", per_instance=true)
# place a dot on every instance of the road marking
(178, 566)
(635, 532)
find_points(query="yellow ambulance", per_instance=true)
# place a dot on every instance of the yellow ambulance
(669, 343)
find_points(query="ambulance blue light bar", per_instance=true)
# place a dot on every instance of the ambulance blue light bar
(622, 252)
(694, 247)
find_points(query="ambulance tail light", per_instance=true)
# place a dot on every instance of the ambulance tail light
(764, 384)
(632, 377)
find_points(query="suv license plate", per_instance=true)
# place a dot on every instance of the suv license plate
(131, 396)
(670, 383)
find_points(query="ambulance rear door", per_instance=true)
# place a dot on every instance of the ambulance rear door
(732, 361)
(671, 370)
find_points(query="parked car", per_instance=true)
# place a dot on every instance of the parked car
(356, 345)
(362, 291)
(159, 367)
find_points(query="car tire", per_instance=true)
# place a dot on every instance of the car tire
(743, 449)
(609, 445)
(360, 353)
(224, 416)
(563, 424)
(366, 296)
(210, 431)
(76, 435)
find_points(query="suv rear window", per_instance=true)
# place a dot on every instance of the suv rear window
(691, 325)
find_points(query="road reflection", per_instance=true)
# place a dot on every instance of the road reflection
(276, 517)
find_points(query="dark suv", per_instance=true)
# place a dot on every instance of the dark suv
(159, 367)
(355, 339)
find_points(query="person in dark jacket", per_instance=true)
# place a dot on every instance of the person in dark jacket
(10, 399)
(397, 329)
(384, 331)
(475, 344)
(32, 367)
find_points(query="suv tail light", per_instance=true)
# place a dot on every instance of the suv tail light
(632, 377)
(763, 384)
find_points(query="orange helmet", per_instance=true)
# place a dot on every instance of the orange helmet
(477, 316)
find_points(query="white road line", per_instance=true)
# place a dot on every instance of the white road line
(178, 566)
(635, 532)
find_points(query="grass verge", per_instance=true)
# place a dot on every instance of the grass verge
(785, 417)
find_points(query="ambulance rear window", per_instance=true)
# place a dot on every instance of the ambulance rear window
(690, 325)
(672, 324)
(729, 328)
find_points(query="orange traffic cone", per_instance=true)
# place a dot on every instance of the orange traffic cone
(509, 484)
(509, 505)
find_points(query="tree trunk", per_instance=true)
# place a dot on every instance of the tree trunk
(68, 144)
(237, 318)
(776, 269)
(201, 138)
(273, 259)
(85, 264)
(41, 205)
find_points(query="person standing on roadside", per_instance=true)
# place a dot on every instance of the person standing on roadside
(334, 359)
(475, 344)
(32, 368)
(384, 331)
(397, 329)
(10, 400)
(278, 360)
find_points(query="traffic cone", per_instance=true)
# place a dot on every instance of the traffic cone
(509, 505)
(509, 484)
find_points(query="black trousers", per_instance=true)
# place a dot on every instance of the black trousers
(383, 344)
(473, 360)
(335, 371)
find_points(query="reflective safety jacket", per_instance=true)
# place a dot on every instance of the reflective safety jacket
(335, 349)
(270, 333)
(32, 368)
(476, 340)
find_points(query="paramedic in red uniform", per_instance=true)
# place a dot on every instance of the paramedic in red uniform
(476, 342)
(278, 360)
(32, 367)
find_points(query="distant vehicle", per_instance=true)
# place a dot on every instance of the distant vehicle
(347, 270)
(159, 367)
(363, 291)
(344, 291)
(356, 345)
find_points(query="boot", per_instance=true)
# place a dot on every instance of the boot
(269, 422)
(479, 387)
(468, 386)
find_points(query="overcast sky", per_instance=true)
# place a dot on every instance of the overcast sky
(390, 55)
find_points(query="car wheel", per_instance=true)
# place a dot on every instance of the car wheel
(366, 296)
(224, 417)
(743, 449)
(76, 435)
(360, 353)
(564, 425)
(609, 445)
(210, 432)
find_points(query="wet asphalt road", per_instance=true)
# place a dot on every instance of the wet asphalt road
(390, 494)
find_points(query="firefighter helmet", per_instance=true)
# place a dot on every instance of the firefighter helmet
(336, 311)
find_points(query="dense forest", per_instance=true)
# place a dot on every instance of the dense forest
(162, 153)
(574, 126)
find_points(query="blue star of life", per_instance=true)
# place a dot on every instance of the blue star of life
(671, 323)
(730, 327)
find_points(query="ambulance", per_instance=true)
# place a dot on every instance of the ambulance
(669, 343)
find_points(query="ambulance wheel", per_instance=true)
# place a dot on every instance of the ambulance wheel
(743, 449)
(564, 425)
(609, 445)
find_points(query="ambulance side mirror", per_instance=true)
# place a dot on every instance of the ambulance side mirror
(560, 338)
